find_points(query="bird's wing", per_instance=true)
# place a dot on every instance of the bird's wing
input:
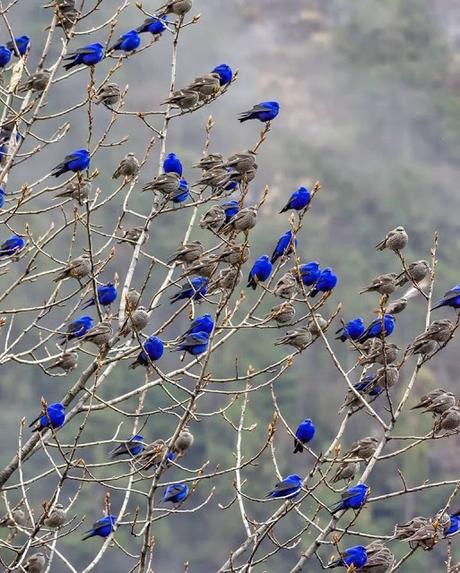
(285, 485)
(84, 50)
(260, 107)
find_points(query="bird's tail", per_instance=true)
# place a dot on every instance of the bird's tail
(252, 283)
(298, 447)
(336, 508)
(70, 65)
(58, 171)
(284, 209)
(313, 292)
(89, 534)
(88, 303)
(438, 304)
(244, 117)
(134, 365)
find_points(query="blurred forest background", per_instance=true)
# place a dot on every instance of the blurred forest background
(370, 96)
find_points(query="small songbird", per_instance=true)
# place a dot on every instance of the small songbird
(183, 99)
(76, 268)
(451, 298)
(441, 403)
(56, 517)
(12, 246)
(423, 347)
(206, 86)
(20, 45)
(102, 527)
(195, 343)
(260, 271)
(213, 219)
(178, 7)
(187, 253)
(152, 455)
(379, 558)
(283, 313)
(225, 73)
(363, 448)
(5, 56)
(386, 377)
(132, 235)
(77, 329)
(415, 273)
(298, 200)
(132, 300)
(183, 442)
(209, 161)
(449, 420)
(242, 162)
(353, 498)
(106, 295)
(132, 447)
(367, 386)
(242, 222)
(194, 289)
(76, 161)
(395, 240)
(128, 167)
(67, 16)
(379, 327)
(128, 42)
(89, 55)
(287, 488)
(352, 330)
(227, 279)
(383, 284)
(380, 354)
(108, 94)
(216, 177)
(309, 273)
(205, 266)
(286, 286)
(284, 246)
(68, 361)
(453, 526)
(303, 435)
(233, 254)
(176, 493)
(264, 111)
(353, 558)
(346, 471)
(153, 349)
(316, 324)
(427, 399)
(136, 321)
(155, 25)
(299, 339)
(18, 517)
(396, 306)
(100, 334)
(54, 417)
(326, 283)
(172, 164)
(36, 563)
(166, 183)
(36, 83)
(203, 323)
(77, 190)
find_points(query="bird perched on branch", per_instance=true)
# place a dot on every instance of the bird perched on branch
(183, 442)
(427, 399)
(128, 42)
(298, 200)
(286, 286)
(225, 73)
(12, 246)
(77, 190)
(155, 25)
(260, 271)
(346, 471)
(108, 94)
(284, 246)
(56, 517)
(100, 334)
(353, 558)
(20, 46)
(106, 295)
(102, 527)
(379, 558)
(207, 86)
(176, 493)
(183, 99)
(416, 272)
(152, 455)
(132, 447)
(326, 283)
(353, 498)
(287, 488)
(153, 349)
(178, 7)
(451, 298)
(309, 273)
(380, 327)
(172, 164)
(36, 563)
(89, 55)
(242, 222)
(299, 338)
(396, 240)
(5, 56)
(166, 183)
(53, 417)
(364, 448)
(128, 167)
(77, 329)
(383, 284)
(282, 313)
(213, 219)
(379, 353)
(194, 289)
(77, 268)
(352, 330)
(303, 435)
(209, 161)
(76, 161)
(17, 517)
(195, 343)
(136, 321)
(36, 82)
(264, 111)
(68, 361)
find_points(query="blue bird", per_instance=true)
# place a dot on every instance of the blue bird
(176, 493)
(298, 200)
(264, 111)
(310, 273)
(12, 246)
(194, 289)
(102, 528)
(284, 246)
(2, 198)
(366, 386)
(172, 164)
(289, 487)
(77, 328)
(451, 298)
(22, 45)
(106, 295)
(353, 498)
(127, 42)
(352, 558)
(454, 525)
(89, 55)
(260, 271)
(155, 25)
(231, 208)
(133, 446)
(203, 323)
(195, 343)
(225, 73)
(353, 330)
(326, 282)
(53, 418)
(181, 194)
(5, 56)
(153, 349)
(76, 161)
(374, 330)
(304, 434)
